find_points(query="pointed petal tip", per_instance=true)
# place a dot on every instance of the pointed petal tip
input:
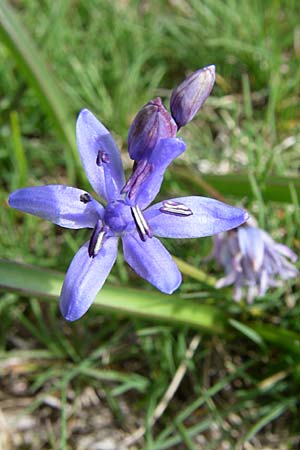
(70, 314)
(211, 68)
(66, 315)
(10, 199)
(14, 197)
(239, 217)
(71, 310)
(84, 116)
(84, 112)
(246, 215)
(171, 290)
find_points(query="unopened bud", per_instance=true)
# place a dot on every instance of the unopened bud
(190, 95)
(152, 123)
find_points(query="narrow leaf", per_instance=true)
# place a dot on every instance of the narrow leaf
(193, 272)
(280, 337)
(18, 151)
(275, 189)
(247, 331)
(31, 280)
(275, 412)
(38, 75)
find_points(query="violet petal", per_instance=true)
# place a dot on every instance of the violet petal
(92, 138)
(85, 278)
(252, 245)
(284, 250)
(209, 217)
(66, 206)
(150, 260)
(164, 153)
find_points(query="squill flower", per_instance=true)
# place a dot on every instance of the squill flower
(253, 261)
(127, 214)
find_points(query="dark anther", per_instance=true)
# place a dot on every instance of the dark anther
(85, 198)
(102, 157)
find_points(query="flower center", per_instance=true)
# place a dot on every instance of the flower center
(120, 217)
(117, 216)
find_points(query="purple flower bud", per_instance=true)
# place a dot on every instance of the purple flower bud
(190, 95)
(152, 123)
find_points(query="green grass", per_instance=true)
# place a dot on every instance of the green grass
(241, 387)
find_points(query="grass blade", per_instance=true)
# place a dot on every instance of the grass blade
(35, 69)
(43, 283)
(30, 280)
(18, 150)
(275, 189)
(247, 331)
(265, 420)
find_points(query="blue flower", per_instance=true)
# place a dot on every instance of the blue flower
(252, 260)
(127, 214)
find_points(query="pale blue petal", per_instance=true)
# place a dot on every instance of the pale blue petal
(85, 278)
(59, 204)
(252, 245)
(150, 260)
(93, 137)
(162, 155)
(209, 217)
(284, 250)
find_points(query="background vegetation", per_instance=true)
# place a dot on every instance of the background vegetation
(228, 376)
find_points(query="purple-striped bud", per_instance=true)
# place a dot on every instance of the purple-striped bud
(152, 123)
(190, 95)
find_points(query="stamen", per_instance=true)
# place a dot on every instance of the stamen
(142, 226)
(96, 240)
(138, 223)
(103, 162)
(144, 222)
(85, 198)
(141, 177)
(102, 158)
(141, 171)
(136, 170)
(176, 208)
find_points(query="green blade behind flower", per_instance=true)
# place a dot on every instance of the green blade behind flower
(275, 189)
(30, 281)
(33, 281)
(33, 66)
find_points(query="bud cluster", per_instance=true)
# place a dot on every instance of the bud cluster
(153, 122)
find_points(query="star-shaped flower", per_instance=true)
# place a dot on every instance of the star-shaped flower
(127, 215)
